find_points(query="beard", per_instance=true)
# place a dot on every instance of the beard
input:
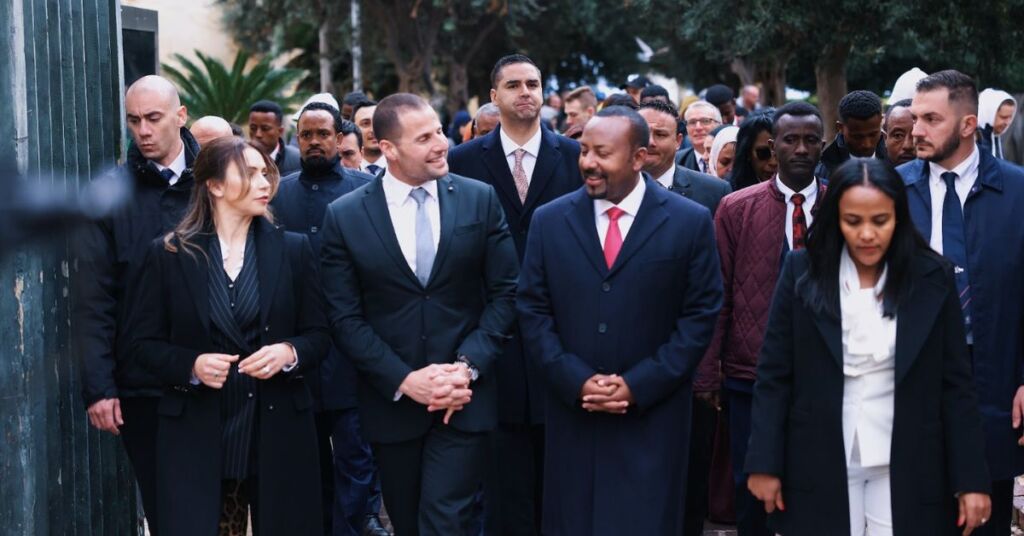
(318, 166)
(946, 150)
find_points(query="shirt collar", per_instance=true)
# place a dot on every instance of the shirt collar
(630, 204)
(177, 166)
(277, 149)
(532, 145)
(810, 193)
(849, 280)
(380, 162)
(966, 169)
(397, 192)
(667, 179)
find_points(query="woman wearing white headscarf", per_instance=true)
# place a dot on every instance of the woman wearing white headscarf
(723, 152)
(996, 111)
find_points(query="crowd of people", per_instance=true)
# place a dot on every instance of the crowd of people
(563, 316)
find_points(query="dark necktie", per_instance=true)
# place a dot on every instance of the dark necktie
(373, 169)
(167, 174)
(954, 245)
(799, 221)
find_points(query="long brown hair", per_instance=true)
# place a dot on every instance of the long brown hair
(212, 164)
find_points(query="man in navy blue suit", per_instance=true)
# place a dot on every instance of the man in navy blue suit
(965, 203)
(618, 296)
(528, 166)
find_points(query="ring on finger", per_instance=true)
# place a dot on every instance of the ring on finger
(984, 520)
(266, 369)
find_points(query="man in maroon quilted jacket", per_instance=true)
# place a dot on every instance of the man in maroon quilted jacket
(755, 228)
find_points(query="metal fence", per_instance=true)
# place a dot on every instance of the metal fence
(60, 121)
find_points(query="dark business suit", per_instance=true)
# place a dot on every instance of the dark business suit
(688, 159)
(619, 474)
(513, 492)
(797, 419)
(172, 319)
(350, 484)
(288, 159)
(700, 187)
(995, 253)
(390, 325)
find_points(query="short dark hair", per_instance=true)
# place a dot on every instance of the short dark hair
(719, 94)
(660, 106)
(508, 60)
(639, 134)
(654, 90)
(620, 99)
(962, 88)
(354, 98)
(322, 106)
(859, 104)
(268, 106)
(386, 122)
(348, 127)
(905, 103)
(362, 104)
(795, 109)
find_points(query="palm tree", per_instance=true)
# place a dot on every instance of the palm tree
(209, 88)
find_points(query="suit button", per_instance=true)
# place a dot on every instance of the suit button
(270, 407)
(602, 327)
(250, 395)
(266, 328)
(316, 187)
(606, 286)
(314, 229)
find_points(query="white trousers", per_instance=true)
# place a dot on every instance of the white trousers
(870, 499)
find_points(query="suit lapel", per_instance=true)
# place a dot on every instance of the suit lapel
(448, 206)
(548, 157)
(270, 253)
(681, 182)
(581, 221)
(496, 162)
(917, 313)
(376, 206)
(649, 217)
(832, 332)
(197, 278)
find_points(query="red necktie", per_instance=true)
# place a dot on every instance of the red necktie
(613, 239)
(799, 221)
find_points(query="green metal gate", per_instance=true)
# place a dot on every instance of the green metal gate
(60, 121)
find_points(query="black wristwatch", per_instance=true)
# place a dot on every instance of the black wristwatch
(474, 373)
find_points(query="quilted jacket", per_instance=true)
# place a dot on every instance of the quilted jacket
(751, 234)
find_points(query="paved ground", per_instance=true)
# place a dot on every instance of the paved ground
(710, 529)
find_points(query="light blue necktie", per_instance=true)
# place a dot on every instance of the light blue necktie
(424, 237)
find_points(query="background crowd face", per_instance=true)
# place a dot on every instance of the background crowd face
(155, 119)
(348, 148)
(899, 142)
(797, 145)
(862, 135)
(576, 113)
(485, 124)
(765, 163)
(608, 161)
(265, 130)
(518, 93)
(700, 121)
(420, 153)
(726, 159)
(1004, 116)
(939, 127)
(665, 140)
(364, 120)
(318, 141)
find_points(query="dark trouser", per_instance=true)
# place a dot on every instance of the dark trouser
(350, 484)
(430, 482)
(702, 442)
(139, 436)
(1002, 510)
(751, 519)
(512, 493)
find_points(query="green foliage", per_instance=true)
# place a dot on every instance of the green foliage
(210, 88)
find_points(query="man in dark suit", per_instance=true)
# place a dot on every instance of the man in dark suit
(266, 131)
(708, 191)
(967, 224)
(618, 297)
(700, 118)
(528, 166)
(122, 396)
(351, 487)
(419, 270)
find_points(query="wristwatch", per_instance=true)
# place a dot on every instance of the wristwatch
(474, 373)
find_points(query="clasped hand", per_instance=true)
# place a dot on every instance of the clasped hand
(439, 386)
(263, 364)
(607, 393)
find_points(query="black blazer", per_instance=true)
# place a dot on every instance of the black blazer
(796, 421)
(390, 325)
(688, 159)
(557, 173)
(700, 187)
(171, 327)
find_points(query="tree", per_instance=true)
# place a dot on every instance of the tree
(209, 88)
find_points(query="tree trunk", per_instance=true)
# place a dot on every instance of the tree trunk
(458, 86)
(745, 70)
(830, 74)
(325, 57)
(772, 75)
(357, 48)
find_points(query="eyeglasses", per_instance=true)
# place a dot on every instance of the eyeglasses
(763, 153)
(702, 121)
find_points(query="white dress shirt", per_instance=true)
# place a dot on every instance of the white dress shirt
(967, 175)
(177, 166)
(869, 348)
(381, 163)
(402, 209)
(630, 205)
(667, 178)
(810, 194)
(532, 147)
(277, 149)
